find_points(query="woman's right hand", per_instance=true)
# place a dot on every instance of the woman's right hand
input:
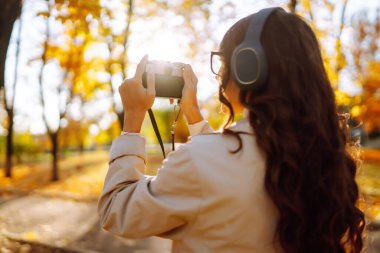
(189, 103)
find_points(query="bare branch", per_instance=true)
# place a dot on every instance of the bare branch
(342, 16)
(42, 68)
(339, 36)
(124, 60)
(18, 46)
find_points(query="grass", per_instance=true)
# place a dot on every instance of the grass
(81, 175)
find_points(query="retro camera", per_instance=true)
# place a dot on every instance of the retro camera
(168, 78)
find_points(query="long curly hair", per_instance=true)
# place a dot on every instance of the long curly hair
(310, 173)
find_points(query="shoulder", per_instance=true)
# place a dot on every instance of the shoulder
(214, 144)
(204, 141)
(215, 138)
(211, 146)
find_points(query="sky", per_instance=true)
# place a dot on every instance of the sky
(155, 38)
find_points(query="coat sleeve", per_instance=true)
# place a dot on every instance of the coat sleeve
(201, 127)
(134, 205)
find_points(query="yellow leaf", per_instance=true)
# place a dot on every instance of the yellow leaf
(356, 111)
(30, 236)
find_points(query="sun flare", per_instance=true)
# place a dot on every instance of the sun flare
(165, 47)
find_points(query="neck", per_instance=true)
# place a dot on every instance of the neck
(245, 113)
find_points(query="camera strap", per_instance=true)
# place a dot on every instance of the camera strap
(175, 124)
(157, 131)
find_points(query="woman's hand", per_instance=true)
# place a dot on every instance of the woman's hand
(136, 99)
(189, 103)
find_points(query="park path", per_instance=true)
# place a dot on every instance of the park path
(373, 242)
(74, 225)
(67, 223)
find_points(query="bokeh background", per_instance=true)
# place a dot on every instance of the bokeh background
(61, 62)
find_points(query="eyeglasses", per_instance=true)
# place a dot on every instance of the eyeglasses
(216, 61)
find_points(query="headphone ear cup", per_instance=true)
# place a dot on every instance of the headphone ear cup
(248, 65)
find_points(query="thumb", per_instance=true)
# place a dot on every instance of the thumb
(141, 68)
(151, 83)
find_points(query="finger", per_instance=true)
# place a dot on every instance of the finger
(141, 68)
(171, 101)
(190, 76)
(186, 75)
(120, 89)
(194, 78)
(151, 83)
(125, 83)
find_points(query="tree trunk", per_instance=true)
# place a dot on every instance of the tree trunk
(81, 145)
(54, 153)
(123, 60)
(9, 151)
(10, 10)
(293, 5)
(9, 105)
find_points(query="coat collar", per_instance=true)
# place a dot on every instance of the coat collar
(243, 124)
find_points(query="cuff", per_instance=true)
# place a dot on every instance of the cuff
(197, 128)
(128, 145)
(127, 133)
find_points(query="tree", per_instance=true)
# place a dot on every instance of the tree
(74, 134)
(75, 17)
(52, 134)
(360, 59)
(365, 55)
(10, 11)
(9, 105)
(335, 60)
(117, 63)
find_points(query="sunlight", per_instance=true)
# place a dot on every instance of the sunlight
(164, 47)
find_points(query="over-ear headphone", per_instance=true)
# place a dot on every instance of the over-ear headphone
(248, 62)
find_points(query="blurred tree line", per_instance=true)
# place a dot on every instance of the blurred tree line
(86, 77)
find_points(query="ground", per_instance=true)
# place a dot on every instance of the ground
(37, 215)
(66, 224)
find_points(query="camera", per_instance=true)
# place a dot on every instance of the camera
(168, 78)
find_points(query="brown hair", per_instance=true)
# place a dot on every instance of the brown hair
(310, 174)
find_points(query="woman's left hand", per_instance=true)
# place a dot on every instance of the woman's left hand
(136, 99)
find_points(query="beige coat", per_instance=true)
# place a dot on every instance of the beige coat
(203, 198)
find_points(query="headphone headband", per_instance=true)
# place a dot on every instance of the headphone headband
(248, 62)
(256, 25)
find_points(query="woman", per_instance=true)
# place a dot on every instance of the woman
(279, 180)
